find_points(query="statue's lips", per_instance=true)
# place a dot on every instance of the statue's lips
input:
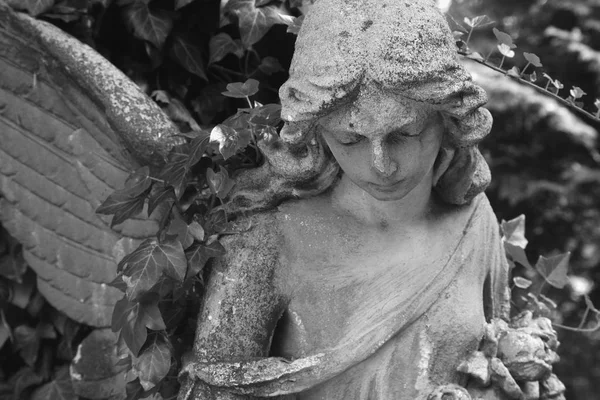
(386, 187)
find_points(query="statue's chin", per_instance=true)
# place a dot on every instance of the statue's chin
(392, 192)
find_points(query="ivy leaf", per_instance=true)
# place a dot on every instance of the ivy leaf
(241, 90)
(123, 205)
(135, 391)
(23, 379)
(458, 35)
(533, 77)
(269, 114)
(533, 59)
(209, 103)
(179, 228)
(505, 50)
(13, 266)
(557, 84)
(199, 254)
(254, 22)
(158, 195)
(219, 183)
(177, 168)
(577, 93)
(182, 3)
(149, 313)
(153, 364)
(144, 267)
(554, 269)
(504, 38)
(188, 55)
(138, 182)
(230, 140)
(175, 109)
(522, 283)
(479, 21)
(294, 28)
(133, 317)
(27, 343)
(125, 318)
(221, 45)
(153, 26)
(196, 231)
(270, 65)
(33, 7)
(60, 388)
(517, 254)
(263, 121)
(514, 72)
(514, 231)
(198, 147)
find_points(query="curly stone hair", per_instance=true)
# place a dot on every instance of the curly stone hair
(404, 47)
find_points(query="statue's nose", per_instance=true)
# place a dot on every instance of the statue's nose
(382, 162)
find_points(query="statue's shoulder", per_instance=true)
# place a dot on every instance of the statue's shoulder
(253, 244)
(482, 210)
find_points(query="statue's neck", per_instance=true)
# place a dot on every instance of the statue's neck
(414, 208)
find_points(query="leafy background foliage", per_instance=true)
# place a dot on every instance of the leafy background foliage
(215, 67)
(549, 177)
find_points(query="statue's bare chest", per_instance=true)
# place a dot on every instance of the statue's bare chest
(337, 274)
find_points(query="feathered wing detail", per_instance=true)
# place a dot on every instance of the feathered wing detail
(62, 152)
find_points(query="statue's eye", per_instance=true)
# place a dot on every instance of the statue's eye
(352, 140)
(396, 138)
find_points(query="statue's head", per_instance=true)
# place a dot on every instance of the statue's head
(380, 82)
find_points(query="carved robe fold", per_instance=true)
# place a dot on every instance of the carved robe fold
(357, 327)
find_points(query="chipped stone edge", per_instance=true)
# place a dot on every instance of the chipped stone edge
(145, 129)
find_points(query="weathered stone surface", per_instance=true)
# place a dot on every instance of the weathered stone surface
(519, 360)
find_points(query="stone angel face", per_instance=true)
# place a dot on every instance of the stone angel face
(387, 145)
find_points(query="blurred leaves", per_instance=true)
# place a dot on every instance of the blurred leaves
(60, 388)
(189, 56)
(221, 45)
(253, 21)
(146, 24)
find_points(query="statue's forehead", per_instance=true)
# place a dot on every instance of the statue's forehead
(379, 111)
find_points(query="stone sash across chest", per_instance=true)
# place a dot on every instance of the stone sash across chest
(277, 376)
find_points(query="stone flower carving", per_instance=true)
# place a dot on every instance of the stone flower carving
(516, 360)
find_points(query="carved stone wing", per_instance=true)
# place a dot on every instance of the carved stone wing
(67, 118)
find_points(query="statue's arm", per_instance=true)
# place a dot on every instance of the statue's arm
(241, 306)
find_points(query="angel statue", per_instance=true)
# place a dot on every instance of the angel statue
(373, 267)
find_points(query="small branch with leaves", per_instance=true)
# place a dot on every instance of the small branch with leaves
(547, 271)
(506, 47)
